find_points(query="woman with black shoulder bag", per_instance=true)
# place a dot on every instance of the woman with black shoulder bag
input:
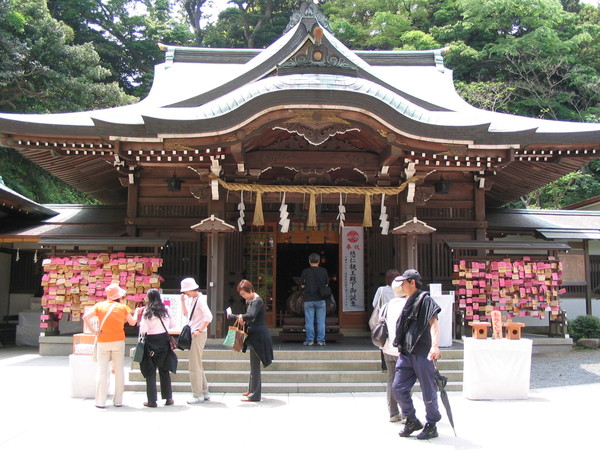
(158, 353)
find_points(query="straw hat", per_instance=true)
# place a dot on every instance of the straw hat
(189, 284)
(114, 291)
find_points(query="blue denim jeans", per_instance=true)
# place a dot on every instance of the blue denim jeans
(315, 311)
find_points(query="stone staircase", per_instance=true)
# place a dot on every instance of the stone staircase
(297, 369)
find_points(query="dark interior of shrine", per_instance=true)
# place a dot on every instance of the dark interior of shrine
(293, 258)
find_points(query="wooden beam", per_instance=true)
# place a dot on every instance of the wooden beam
(390, 155)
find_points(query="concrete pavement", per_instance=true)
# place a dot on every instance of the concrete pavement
(38, 412)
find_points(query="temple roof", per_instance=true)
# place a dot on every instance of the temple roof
(14, 204)
(546, 224)
(201, 93)
(197, 90)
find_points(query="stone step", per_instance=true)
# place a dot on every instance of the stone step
(302, 370)
(303, 365)
(288, 388)
(283, 376)
(303, 353)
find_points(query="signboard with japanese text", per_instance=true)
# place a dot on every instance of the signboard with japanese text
(353, 292)
(173, 301)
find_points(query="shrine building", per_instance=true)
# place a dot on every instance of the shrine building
(242, 162)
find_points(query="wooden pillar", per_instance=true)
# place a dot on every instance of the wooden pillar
(408, 243)
(588, 277)
(480, 231)
(132, 209)
(215, 229)
(215, 277)
(215, 267)
(412, 254)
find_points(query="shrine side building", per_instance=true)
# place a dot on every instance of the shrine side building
(240, 163)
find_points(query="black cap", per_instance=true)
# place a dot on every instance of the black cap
(410, 274)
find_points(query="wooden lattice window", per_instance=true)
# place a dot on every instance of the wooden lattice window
(183, 259)
(260, 266)
(25, 272)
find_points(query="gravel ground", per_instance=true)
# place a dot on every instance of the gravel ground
(576, 367)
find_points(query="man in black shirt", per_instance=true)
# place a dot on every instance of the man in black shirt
(314, 280)
(417, 341)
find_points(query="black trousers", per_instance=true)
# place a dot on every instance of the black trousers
(255, 385)
(159, 342)
(166, 392)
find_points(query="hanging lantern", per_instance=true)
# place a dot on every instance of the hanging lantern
(174, 183)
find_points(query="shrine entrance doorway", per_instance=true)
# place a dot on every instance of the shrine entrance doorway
(291, 260)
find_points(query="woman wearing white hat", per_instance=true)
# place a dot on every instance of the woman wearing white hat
(195, 308)
(110, 333)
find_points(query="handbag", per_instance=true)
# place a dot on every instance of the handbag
(172, 341)
(95, 346)
(138, 353)
(379, 332)
(172, 360)
(235, 336)
(184, 341)
(374, 319)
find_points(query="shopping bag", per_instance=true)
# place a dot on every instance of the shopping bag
(138, 353)
(235, 337)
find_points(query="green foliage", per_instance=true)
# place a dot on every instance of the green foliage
(125, 33)
(42, 70)
(489, 95)
(417, 40)
(33, 182)
(567, 190)
(584, 327)
(252, 24)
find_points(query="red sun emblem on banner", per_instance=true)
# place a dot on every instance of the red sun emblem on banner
(352, 236)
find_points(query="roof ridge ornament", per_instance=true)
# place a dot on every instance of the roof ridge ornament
(308, 10)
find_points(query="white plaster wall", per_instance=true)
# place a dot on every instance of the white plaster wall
(575, 307)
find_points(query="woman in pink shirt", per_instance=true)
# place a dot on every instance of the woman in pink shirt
(155, 323)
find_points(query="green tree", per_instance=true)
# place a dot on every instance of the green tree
(33, 182)
(42, 70)
(125, 33)
(194, 14)
(251, 24)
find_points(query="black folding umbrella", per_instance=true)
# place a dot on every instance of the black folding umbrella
(441, 382)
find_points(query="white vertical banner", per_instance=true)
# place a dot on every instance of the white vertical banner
(353, 280)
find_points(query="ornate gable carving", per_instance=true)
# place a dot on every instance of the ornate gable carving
(295, 142)
(316, 127)
(319, 55)
(310, 11)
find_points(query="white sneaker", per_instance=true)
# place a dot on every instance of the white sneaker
(195, 400)
(206, 396)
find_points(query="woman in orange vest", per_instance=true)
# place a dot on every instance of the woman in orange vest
(110, 333)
